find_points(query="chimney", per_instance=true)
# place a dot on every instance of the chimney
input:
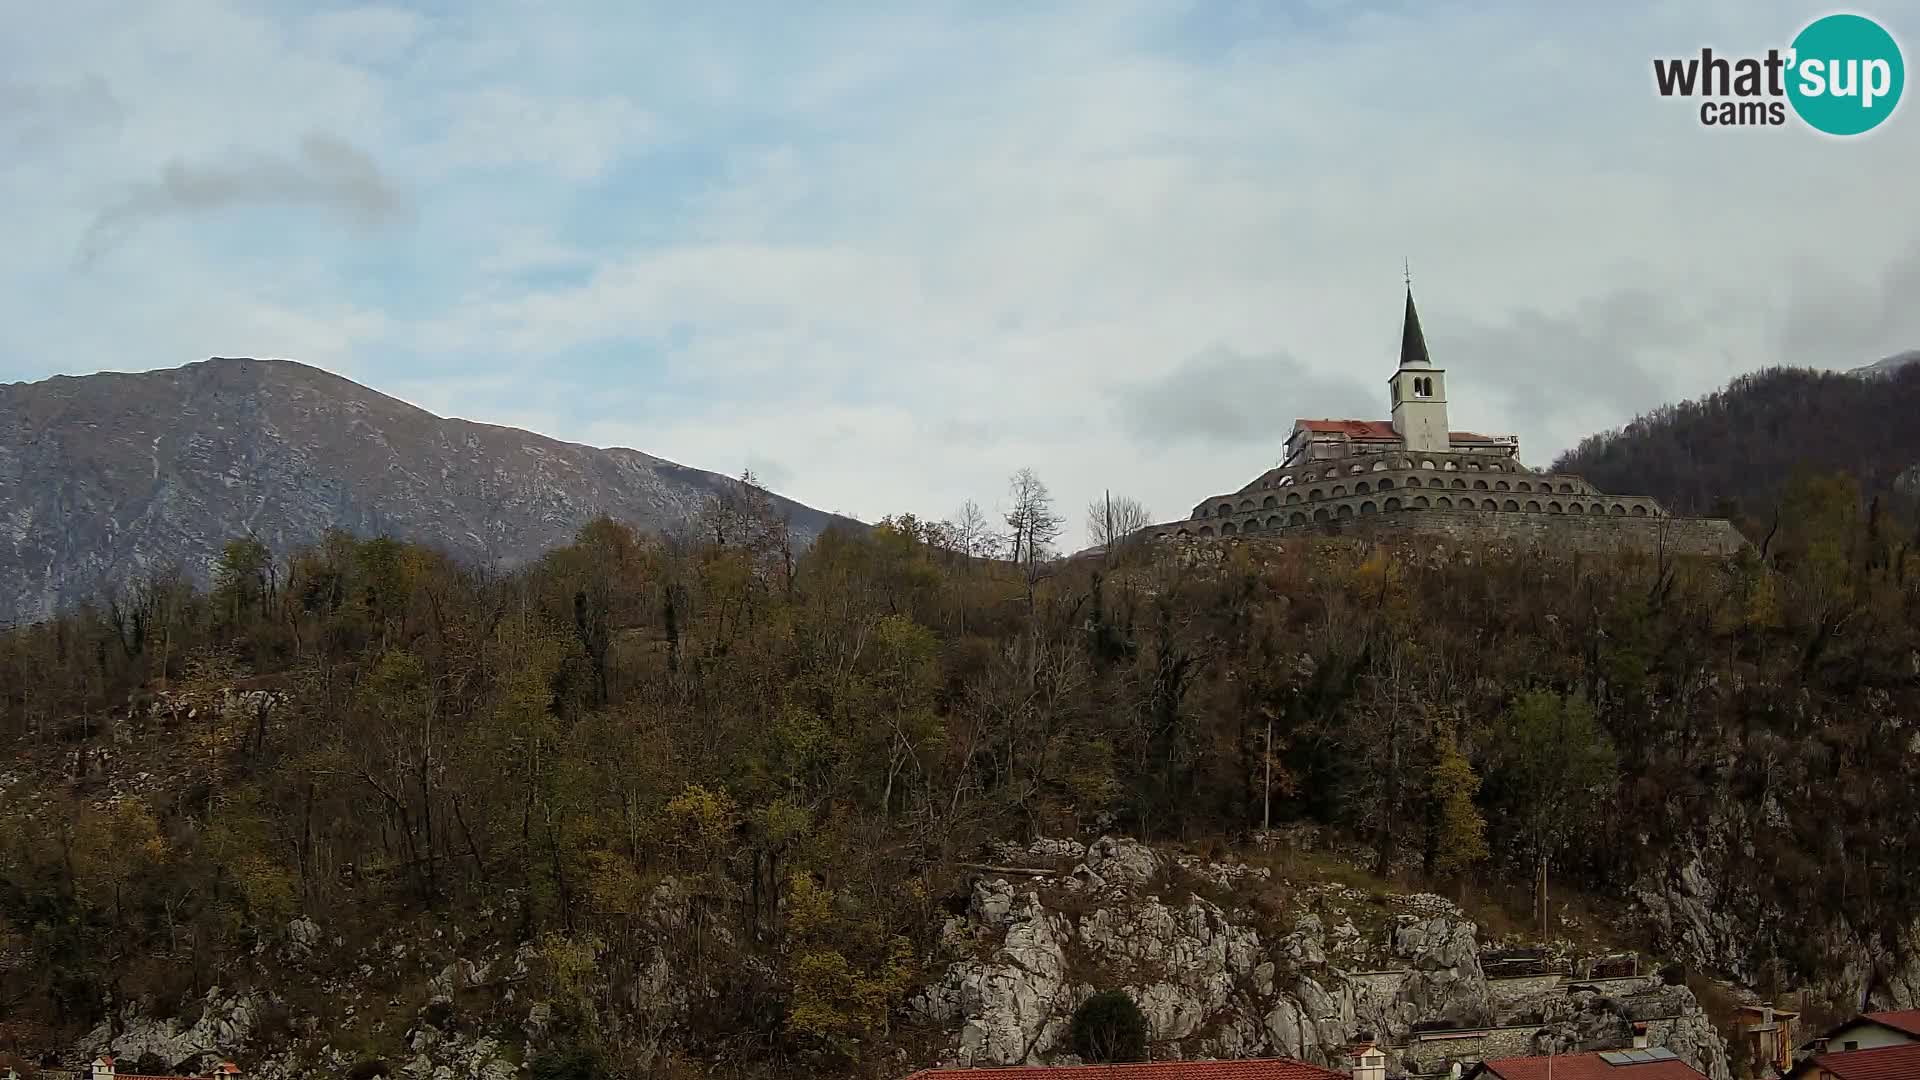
(1367, 1062)
(1640, 1036)
(102, 1068)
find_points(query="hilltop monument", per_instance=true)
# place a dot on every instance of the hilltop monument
(1414, 475)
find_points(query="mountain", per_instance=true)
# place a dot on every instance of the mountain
(1732, 450)
(103, 477)
(1897, 360)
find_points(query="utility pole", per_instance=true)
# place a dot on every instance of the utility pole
(1266, 795)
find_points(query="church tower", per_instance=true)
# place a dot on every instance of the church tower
(1419, 390)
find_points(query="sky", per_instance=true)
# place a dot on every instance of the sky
(886, 254)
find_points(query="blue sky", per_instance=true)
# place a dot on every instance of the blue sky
(888, 253)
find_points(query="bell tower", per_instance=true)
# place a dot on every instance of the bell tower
(1419, 390)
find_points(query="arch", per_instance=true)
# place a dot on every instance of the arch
(1475, 466)
(1443, 503)
(1316, 494)
(1227, 529)
(1298, 518)
(1501, 485)
(1356, 469)
(1322, 515)
(1206, 530)
(1368, 507)
(1459, 484)
(1292, 497)
(1523, 485)
(1489, 505)
(1183, 533)
(1385, 484)
(1274, 522)
(1533, 506)
(1420, 502)
(1450, 466)
(1345, 511)
(1339, 490)
(1285, 481)
(1391, 505)
(1246, 504)
(1596, 508)
(1226, 508)
(1380, 466)
(1269, 503)
(1566, 489)
(1639, 511)
(1496, 468)
(1479, 485)
(1509, 505)
(1619, 510)
(1361, 488)
(1405, 463)
(1413, 481)
(1554, 507)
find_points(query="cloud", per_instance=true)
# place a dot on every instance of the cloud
(37, 116)
(328, 173)
(1229, 398)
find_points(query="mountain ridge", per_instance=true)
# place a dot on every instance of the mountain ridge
(107, 476)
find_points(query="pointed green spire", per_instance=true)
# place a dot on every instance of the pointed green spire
(1413, 344)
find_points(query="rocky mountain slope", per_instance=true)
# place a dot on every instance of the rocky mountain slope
(1226, 958)
(104, 477)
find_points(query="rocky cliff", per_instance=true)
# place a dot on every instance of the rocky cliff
(1225, 959)
(106, 477)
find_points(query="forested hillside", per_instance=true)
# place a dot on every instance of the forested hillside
(809, 749)
(1731, 451)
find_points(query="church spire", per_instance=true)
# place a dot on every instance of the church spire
(1413, 344)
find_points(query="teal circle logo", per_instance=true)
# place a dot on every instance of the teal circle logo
(1845, 74)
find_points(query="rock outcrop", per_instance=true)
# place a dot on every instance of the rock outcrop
(1212, 982)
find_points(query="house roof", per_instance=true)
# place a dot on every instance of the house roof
(1269, 1069)
(1584, 1067)
(1907, 1020)
(1882, 1063)
(1377, 429)
(1352, 429)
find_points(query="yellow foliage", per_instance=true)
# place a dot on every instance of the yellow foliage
(702, 820)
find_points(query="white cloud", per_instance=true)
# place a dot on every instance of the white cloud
(894, 258)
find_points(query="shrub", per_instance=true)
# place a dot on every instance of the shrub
(368, 1069)
(1109, 1027)
(568, 1063)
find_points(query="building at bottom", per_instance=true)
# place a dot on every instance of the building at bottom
(1640, 1064)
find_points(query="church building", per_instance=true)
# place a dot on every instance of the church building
(1414, 473)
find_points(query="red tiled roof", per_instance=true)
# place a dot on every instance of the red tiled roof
(1377, 429)
(1907, 1020)
(1882, 1063)
(1586, 1067)
(1353, 429)
(1272, 1069)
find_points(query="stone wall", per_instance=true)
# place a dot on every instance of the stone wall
(1592, 533)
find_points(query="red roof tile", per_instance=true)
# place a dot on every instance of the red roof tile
(1273, 1069)
(1882, 1063)
(1352, 429)
(1587, 1067)
(1907, 1020)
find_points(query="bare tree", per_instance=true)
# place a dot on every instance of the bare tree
(968, 532)
(1113, 521)
(1032, 527)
